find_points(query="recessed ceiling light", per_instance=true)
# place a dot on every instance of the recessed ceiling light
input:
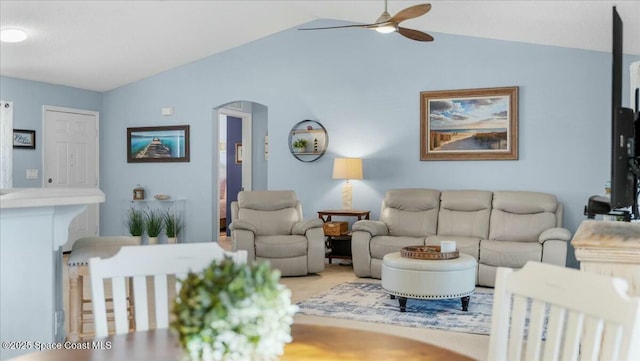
(12, 35)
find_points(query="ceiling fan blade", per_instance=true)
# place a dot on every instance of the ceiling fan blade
(411, 12)
(415, 34)
(340, 27)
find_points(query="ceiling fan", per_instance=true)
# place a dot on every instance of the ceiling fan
(389, 24)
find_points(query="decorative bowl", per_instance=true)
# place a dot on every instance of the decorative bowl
(161, 197)
(427, 252)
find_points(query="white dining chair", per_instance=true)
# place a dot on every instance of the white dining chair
(586, 316)
(138, 262)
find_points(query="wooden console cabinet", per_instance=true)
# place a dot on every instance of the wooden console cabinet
(610, 248)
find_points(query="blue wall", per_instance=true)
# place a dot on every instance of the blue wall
(364, 88)
(28, 98)
(234, 171)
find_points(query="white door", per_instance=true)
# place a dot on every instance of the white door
(70, 160)
(6, 144)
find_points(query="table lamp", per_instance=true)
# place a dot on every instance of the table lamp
(347, 168)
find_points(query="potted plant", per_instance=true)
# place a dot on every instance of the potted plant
(172, 226)
(233, 312)
(154, 223)
(135, 222)
(300, 145)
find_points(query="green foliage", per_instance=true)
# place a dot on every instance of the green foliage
(154, 223)
(135, 222)
(172, 224)
(300, 143)
(241, 299)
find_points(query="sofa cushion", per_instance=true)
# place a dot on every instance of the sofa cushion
(271, 212)
(523, 202)
(269, 223)
(281, 246)
(467, 245)
(521, 216)
(267, 200)
(464, 213)
(382, 245)
(295, 266)
(411, 212)
(509, 254)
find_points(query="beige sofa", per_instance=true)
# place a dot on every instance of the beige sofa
(499, 229)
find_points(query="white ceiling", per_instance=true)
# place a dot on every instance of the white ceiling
(101, 45)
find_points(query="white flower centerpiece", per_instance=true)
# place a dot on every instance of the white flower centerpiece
(233, 312)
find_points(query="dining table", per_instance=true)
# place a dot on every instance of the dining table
(310, 343)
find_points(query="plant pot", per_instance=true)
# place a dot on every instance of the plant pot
(152, 240)
(299, 150)
(138, 238)
(172, 240)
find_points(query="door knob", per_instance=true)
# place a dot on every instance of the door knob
(50, 180)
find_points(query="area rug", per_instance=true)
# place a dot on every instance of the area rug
(368, 302)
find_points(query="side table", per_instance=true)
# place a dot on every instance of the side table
(340, 246)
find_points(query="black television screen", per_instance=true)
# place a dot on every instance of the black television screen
(623, 180)
(624, 133)
(616, 69)
(625, 143)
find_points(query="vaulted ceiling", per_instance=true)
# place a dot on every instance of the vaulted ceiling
(101, 45)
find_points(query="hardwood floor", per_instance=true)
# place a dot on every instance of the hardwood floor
(475, 346)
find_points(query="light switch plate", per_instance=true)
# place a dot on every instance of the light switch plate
(32, 174)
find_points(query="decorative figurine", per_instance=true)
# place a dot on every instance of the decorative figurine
(138, 193)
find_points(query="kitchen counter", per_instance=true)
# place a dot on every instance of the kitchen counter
(34, 224)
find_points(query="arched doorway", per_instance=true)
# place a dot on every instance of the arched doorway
(240, 160)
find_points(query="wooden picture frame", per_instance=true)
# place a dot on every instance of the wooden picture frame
(469, 124)
(238, 153)
(24, 139)
(158, 144)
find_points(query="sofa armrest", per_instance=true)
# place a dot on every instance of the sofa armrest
(315, 249)
(555, 234)
(554, 243)
(363, 232)
(244, 225)
(302, 227)
(242, 239)
(360, 253)
(375, 228)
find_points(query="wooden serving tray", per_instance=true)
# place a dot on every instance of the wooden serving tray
(427, 252)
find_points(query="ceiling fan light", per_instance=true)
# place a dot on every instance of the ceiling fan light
(12, 35)
(386, 29)
(383, 18)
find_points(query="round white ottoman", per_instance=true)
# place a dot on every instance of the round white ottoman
(429, 279)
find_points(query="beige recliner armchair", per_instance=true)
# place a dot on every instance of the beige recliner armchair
(269, 225)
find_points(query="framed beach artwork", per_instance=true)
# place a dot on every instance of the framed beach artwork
(471, 124)
(158, 144)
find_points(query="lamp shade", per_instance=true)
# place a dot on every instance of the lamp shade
(347, 168)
